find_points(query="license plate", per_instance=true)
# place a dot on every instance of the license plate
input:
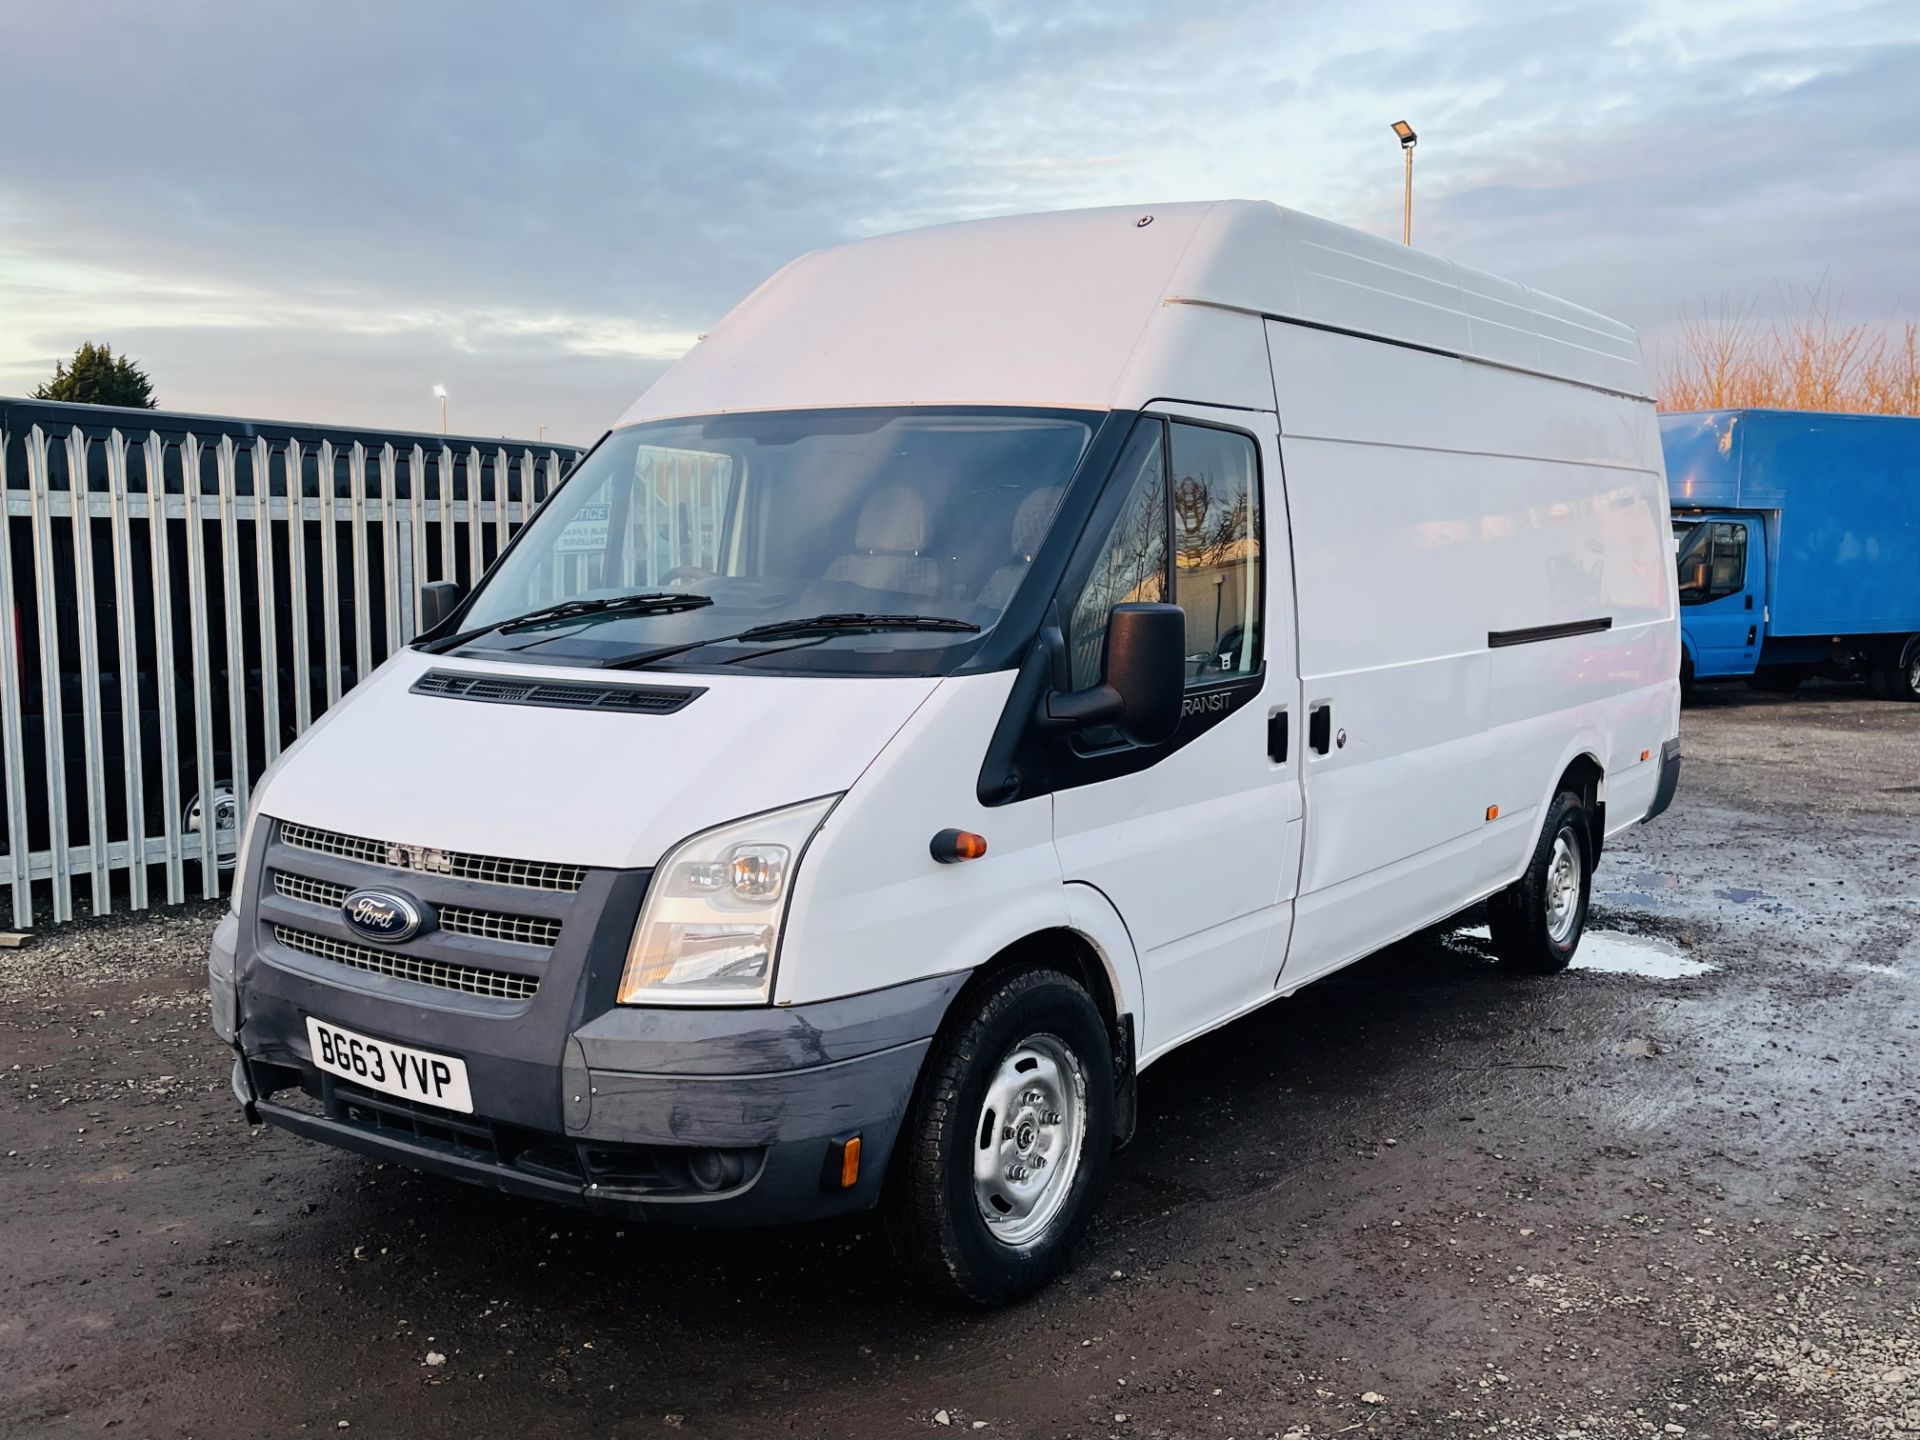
(391, 1069)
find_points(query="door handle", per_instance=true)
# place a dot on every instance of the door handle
(1277, 737)
(1749, 600)
(1320, 728)
(1752, 632)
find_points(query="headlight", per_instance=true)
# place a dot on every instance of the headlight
(710, 927)
(240, 855)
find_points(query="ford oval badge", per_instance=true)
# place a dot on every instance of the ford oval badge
(382, 915)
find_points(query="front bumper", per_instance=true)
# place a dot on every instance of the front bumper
(707, 1150)
(710, 1116)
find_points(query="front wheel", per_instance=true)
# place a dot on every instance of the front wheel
(1005, 1147)
(1536, 922)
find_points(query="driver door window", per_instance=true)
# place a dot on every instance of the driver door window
(1715, 564)
(1188, 532)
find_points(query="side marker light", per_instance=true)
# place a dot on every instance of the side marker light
(950, 847)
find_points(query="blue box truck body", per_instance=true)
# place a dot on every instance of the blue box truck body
(1797, 535)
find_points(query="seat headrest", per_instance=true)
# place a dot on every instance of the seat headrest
(1030, 520)
(893, 519)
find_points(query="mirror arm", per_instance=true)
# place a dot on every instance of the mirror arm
(1097, 705)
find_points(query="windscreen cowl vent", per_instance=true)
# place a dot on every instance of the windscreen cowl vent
(556, 695)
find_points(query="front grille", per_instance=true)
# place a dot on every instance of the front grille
(489, 869)
(468, 979)
(485, 925)
(454, 919)
(310, 891)
(557, 695)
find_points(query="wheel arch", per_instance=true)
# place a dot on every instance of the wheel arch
(1091, 945)
(1582, 772)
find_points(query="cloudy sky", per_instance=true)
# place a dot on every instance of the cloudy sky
(318, 211)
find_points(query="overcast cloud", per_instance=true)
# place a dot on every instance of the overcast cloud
(316, 212)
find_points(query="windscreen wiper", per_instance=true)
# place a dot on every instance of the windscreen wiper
(652, 602)
(851, 623)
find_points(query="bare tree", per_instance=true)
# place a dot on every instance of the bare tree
(1809, 359)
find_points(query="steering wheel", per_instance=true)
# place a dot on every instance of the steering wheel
(689, 572)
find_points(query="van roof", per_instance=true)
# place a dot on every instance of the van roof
(1078, 309)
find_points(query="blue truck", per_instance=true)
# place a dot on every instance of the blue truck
(1797, 536)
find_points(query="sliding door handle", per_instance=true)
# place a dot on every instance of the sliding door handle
(1277, 736)
(1320, 728)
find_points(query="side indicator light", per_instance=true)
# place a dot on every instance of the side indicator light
(850, 1163)
(1646, 754)
(950, 847)
(1493, 812)
(842, 1170)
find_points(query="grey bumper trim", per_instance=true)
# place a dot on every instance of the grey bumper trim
(1669, 778)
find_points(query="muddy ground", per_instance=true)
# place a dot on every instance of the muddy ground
(1418, 1199)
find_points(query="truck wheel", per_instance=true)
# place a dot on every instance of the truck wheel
(1901, 681)
(1004, 1149)
(1686, 679)
(1537, 920)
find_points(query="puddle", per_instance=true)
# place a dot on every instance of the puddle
(1611, 952)
(1740, 896)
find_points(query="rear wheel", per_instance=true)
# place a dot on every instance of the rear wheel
(1900, 679)
(1005, 1147)
(1536, 922)
(1686, 678)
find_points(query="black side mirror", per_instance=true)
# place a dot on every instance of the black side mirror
(438, 600)
(1144, 677)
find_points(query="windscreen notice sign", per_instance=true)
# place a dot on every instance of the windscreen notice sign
(586, 532)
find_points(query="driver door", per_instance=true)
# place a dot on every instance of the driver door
(1195, 841)
(1721, 577)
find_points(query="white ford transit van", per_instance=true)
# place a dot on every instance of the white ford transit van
(996, 655)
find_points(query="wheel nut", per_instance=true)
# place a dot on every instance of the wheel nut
(1039, 1161)
(1052, 1117)
(1016, 1173)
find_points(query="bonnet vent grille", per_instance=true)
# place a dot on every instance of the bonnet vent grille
(504, 690)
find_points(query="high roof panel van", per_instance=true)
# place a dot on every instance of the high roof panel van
(993, 657)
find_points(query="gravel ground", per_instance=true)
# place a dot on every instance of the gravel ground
(1417, 1199)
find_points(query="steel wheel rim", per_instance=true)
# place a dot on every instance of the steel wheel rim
(1563, 890)
(1029, 1138)
(1913, 674)
(226, 818)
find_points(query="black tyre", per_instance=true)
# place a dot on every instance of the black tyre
(1902, 681)
(1004, 1149)
(1536, 921)
(1686, 679)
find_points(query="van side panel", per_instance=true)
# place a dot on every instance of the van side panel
(1447, 516)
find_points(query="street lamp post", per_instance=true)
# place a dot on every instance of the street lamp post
(1407, 141)
(441, 391)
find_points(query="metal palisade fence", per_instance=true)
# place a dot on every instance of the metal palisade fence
(184, 595)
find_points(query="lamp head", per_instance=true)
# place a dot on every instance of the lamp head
(1405, 131)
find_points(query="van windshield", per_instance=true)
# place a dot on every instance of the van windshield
(707, 527)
